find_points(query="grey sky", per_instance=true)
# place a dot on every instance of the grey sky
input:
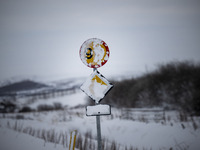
(43, 37)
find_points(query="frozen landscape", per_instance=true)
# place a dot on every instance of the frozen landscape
(124, 129)
(151, 49)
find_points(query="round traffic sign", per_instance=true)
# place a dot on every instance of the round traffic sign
(94, 53)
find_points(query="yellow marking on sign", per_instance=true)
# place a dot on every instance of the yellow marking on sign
(98, 80)
(91, 60)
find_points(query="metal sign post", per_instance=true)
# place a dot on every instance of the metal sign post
(99, 132)
(94, 53)
(98, 121)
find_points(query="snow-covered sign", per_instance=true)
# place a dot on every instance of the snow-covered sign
(96, 86)
(98, 110)
(94, 53)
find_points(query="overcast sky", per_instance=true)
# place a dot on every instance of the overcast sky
(42, 37)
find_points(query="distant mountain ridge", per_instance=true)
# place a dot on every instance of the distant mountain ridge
(18, 95)
(23, 85)
(29, 87)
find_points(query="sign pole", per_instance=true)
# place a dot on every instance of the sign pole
(94, 53)
(98, 132)
(98, 126)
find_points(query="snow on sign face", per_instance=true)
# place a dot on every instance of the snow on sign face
(97, 110)
(94, 53)
(96, 86)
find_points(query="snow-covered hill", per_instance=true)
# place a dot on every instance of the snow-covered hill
(28, 93)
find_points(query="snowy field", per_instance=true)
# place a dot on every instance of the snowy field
(13, 140)
(124, 129)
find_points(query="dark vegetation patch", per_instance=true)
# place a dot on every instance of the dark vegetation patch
(175, 85)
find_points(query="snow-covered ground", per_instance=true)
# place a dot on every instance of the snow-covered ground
(138, 134)
(12, 140)
(153, 129)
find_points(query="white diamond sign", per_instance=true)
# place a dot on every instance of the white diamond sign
(96, 86)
